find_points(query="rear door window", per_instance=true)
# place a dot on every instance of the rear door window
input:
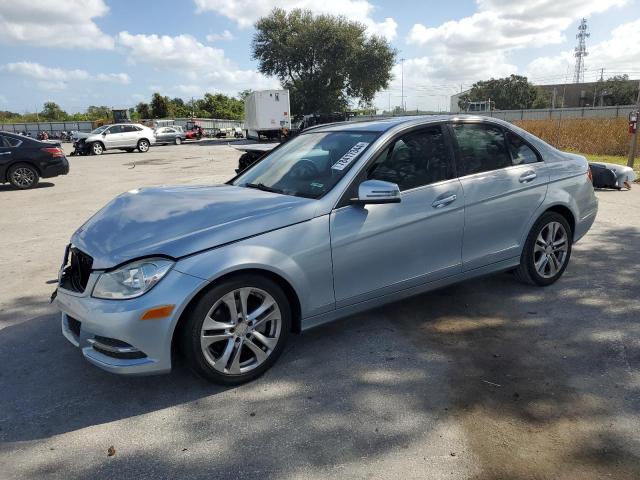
(481, 148)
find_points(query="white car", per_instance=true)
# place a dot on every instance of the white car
(120, 136)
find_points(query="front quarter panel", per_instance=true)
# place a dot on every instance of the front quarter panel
(299, 253)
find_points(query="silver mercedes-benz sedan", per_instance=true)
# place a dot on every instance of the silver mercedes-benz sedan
(341, 218)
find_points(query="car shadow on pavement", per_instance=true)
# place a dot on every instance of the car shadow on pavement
(10, 188)
(539, 382)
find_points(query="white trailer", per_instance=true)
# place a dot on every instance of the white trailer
(266, 113)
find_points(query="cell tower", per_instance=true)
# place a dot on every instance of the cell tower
(581, 51)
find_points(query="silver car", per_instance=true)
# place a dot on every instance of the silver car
(120, 136)
(341, 218)
(165, 135)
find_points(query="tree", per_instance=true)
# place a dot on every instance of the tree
(95, 113)
(52, 111)
(509, 93)
(142, 109)
(542, 100)
(619, 90)
(324, 61)
(244, 94)
(220, 106)
(159, 106)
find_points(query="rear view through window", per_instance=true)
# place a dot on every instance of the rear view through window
(482, 148)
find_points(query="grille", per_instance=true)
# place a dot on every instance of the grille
(76, 273)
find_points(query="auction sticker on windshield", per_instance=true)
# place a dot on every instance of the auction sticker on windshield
(350, 156)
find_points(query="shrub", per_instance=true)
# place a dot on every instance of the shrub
(599, 136)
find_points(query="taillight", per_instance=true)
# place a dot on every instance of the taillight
(54, 151)
(590, 174)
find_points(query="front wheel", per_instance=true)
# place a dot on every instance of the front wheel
(97, 148)
(143, 146)
(23, 176)
(547, 250)
(237, 330)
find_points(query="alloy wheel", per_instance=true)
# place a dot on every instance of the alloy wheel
(550, 250)
(143, 146)
(241, 330)
(23, 177)
(97, 149)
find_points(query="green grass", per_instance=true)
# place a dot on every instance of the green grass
(618, 159)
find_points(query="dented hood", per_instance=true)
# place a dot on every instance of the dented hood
(178, 221)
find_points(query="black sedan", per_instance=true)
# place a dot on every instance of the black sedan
(23, 160)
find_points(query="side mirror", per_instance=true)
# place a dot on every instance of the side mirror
(376, 192)
(104, 134)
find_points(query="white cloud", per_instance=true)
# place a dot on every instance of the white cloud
(615, 55)
(246, 12)
(206, 67)
(485, 44)
(43, 23)
(57, 78)
(214, 37)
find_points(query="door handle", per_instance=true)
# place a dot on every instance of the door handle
(527, 177)
(443, 202)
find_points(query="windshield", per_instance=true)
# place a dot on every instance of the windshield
(100, 129)
(309, 165)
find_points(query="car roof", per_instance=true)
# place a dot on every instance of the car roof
(384, 124)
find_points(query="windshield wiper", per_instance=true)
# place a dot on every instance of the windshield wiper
(263, 187)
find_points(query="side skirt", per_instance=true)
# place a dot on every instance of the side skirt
(321, 319)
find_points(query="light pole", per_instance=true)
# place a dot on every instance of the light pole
(402, 84)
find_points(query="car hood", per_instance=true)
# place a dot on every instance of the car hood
(178, 221)
(79, 135)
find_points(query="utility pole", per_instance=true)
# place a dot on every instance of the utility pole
(634, 137)
(402, 83)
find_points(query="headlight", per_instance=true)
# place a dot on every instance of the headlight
(132, 280)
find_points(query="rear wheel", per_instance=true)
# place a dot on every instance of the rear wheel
(178, 141)
(547, 250)
(143, 146)
(23, 176)
(97, 148)
(237, 330)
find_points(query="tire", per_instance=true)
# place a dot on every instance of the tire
(23, 176)
(220, 361)
(547, 250)
(97, 148)
(178, 141)
(143, 145)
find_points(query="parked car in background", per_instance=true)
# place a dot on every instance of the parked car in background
(342, 218)
(165, 135)
(195, 132)
(119, 136)
(23, 160)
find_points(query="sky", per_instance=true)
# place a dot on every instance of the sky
(118, 52)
